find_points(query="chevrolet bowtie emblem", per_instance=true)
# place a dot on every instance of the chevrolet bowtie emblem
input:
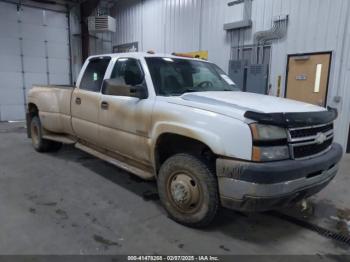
(320, 138)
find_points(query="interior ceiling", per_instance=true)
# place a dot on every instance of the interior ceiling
(59, 5)
(57, 2)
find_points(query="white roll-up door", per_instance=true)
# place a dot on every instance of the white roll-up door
(34, 49)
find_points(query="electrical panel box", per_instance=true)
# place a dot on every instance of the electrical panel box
(236, 72)
(257, 78)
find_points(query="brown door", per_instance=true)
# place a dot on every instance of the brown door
(307, 79)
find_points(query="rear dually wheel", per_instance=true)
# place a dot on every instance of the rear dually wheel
(39, 143)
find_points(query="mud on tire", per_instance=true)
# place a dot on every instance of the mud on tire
(39, 143)
(188, 190)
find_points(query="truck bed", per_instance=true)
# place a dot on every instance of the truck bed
(54, 102)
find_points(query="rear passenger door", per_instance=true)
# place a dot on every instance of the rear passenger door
(86, 100)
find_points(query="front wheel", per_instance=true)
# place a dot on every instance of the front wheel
(39, 143)
(188, 190)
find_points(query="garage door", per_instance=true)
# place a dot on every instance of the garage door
(34, 49)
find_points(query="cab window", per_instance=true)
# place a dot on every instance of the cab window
(128, 70)
(94, 74)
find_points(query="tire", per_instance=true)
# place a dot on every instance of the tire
(39, 143)
(188, 190)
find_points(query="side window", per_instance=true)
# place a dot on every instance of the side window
(129, 71)
(94, 73)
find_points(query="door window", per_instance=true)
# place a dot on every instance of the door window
(94, 74)
(129, 71)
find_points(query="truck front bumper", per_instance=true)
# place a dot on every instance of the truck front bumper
(249, 186)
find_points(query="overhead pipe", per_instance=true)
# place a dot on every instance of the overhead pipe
(278, 31)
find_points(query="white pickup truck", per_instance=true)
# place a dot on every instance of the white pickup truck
(184, 122)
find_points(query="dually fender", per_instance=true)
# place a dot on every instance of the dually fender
(210, 139)
(232, 140)
(54, 115)
(44, 98)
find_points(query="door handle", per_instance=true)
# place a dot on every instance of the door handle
(104, 105)
(78, 101)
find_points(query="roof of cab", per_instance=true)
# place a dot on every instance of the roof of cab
(144, 54)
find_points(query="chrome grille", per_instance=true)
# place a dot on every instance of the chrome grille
(307, 142)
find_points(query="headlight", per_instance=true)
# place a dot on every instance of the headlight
(269, 143)
(270, 153)
(267, 132)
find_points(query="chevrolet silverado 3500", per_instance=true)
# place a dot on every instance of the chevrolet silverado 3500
(183, 122)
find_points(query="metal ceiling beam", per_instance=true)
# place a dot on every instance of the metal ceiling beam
(86, 9)
(52, 5)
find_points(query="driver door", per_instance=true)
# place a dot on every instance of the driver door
(124, 121)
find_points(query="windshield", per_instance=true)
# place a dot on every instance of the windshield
(173, 77)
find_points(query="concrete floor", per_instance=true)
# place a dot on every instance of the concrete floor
(71, 203)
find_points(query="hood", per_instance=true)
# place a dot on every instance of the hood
(235, 104)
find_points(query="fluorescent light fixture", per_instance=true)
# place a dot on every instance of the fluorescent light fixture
(318, 78)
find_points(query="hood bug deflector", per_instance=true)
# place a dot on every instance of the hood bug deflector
(294, 119)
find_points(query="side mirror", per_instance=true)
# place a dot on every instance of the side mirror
(139, 91)
(117, 87)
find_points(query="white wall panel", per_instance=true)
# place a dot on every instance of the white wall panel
(12, 112)
(10, 46)
(34, 64)
(11, 96)
(33, 32)
(176, 26)
(31, 16)
(57, 50)
(10, 79)
(8, 12)
(41, 38)
(54, 19)
(58, 35)
(10, 63)
(58, 66)
(34, 48)
(153, 21)
(31, 79)
(9, 29)
(214, 38)
(129, 21)
(59, 79)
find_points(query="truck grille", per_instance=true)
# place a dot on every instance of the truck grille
(309, 150)
(307, 142)
(298, 133)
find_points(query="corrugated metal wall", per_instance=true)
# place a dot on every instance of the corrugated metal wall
(189, 25)
(176, 25)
